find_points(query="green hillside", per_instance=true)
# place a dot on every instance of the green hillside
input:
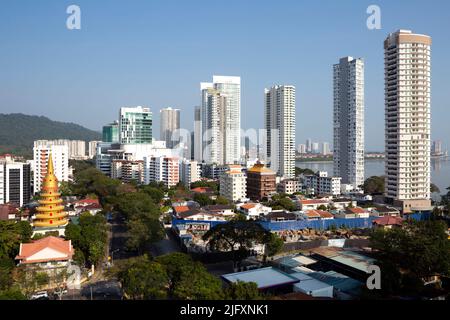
(18, 131)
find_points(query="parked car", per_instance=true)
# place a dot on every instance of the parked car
(41, 295)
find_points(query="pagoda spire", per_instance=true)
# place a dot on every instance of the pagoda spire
(50, 212)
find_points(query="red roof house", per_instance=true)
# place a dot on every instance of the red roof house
(45, 250)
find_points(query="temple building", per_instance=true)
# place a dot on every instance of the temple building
(50, 214)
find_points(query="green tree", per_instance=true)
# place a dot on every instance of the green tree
(188, 279)
(12, 294)
(434, 188)
(243, 291)
(236, 236)
(374, 185)
(274, 245)
(6, 267)
(143, 231)
(143, 279)
(202, 199)
(299, 171)
(418, 250)
(222, 200)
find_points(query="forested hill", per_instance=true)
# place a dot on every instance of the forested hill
(18, 131)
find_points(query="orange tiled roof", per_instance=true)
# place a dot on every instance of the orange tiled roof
(29, 249)
(248, 206)
(324, 214)
(201, 189)
(312, 214)
(388, 221)
(180, 209)
(356, 210)
(314, 201)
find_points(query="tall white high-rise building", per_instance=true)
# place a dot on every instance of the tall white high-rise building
(221, 120)
(92, 150)
(60, 156)
(169, 126)
(198, 147)
(407, 63)
(348, 121)
(280, 127)
(135, 125)
(325, 148)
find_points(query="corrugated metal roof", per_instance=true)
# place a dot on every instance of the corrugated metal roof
(264, 277)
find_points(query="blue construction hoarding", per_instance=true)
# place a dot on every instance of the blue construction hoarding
(313, 224)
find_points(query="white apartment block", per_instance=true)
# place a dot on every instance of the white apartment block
(15, 181)
(280, 128)
(92, 148)
(127, 170)
(164, 169)
(321, 183)
(169, 126)
(348, 120)
(407, 58)
(190, 172)
(289, 186)
(233, 184)
(221, 120)
(77, 148)
(60, 156)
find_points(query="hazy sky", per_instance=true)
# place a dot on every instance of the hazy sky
(155, 53)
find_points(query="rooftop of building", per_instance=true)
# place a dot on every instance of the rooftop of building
(388, 221)
(63, 248)
(260, 168)
(264, 278)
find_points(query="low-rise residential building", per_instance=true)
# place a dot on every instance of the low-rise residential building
(317, 215)
(254, 210)
(342, 203)
(201, 215)
(322, 183)
(222, 209)
(388, 222)
(382, 211)
(233, 184)
(289, 186)
(355, 212)
(311, 204)
(8, 211)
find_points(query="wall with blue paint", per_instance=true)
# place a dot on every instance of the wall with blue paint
(360, 223)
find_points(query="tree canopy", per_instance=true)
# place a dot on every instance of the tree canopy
(406, 255)
(374, 185)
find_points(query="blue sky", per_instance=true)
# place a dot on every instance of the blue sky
(155, 53)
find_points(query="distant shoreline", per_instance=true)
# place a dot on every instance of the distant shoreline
(324, 160)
